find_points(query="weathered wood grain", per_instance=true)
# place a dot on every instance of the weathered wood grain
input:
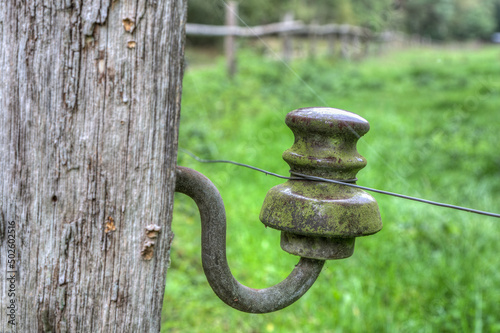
(90, 98)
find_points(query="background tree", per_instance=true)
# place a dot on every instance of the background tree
(473, 20)
(450, 19)
(497, 15)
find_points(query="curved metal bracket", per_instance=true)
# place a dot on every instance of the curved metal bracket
(213, 243)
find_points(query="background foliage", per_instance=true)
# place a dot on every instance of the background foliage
(435, 130)
(438, 19)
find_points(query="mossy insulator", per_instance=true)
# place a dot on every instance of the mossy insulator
(318, 219)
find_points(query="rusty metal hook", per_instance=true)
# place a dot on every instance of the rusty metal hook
(318, 220)
(213, 243)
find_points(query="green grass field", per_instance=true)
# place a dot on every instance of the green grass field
(435, 133)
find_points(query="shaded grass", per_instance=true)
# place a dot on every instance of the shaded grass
(435, 130)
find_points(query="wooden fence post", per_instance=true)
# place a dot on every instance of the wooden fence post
(344, 38)
(356, 42)
(89, 116)
(313, 39)
(365, 42)
(332, 41)
(287, 38)
(230, 39)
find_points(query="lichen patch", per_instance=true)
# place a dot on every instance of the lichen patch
(152, 231)
(128, 25)
(110, 225)
(147, 251)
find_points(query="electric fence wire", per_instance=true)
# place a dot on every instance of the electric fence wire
(307, 85)
(300, 176)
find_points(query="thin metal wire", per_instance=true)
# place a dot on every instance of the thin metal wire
(351, 129)
(435, 203)
(302, 177)
(237, 163)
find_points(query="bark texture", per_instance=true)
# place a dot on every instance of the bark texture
(90, 98)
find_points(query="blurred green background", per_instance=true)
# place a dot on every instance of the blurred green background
(435, 130)
(438, 19)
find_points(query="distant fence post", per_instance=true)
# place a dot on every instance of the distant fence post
(344, 38)
(313, 39)
(332, 41)
(287, 38)
(365, 41)
(356, 41)
(230, 39)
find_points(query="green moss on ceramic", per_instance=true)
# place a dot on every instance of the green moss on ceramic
(320, 209)
(325, 146)
(325, 142)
